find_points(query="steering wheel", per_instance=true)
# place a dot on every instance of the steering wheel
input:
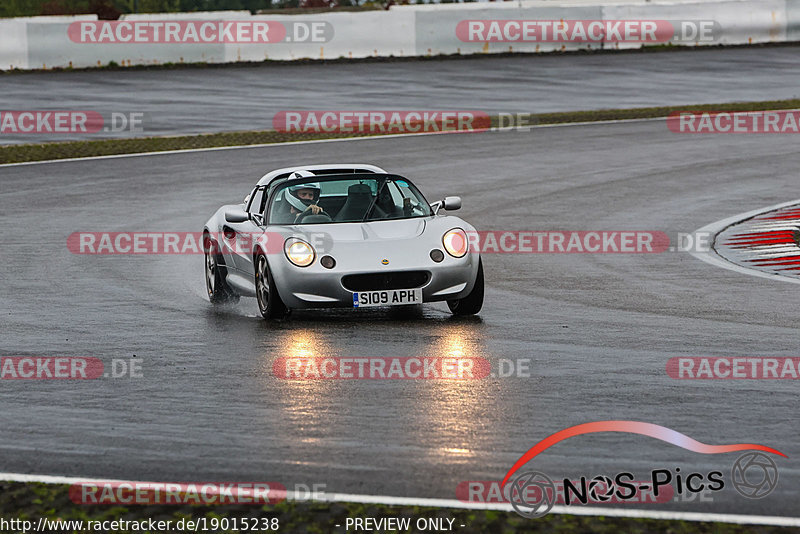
(307, 213)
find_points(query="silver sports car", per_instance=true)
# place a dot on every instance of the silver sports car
(351, 235)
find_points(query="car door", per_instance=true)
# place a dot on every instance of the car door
(245, 233)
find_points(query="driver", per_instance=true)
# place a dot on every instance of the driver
(303, 198)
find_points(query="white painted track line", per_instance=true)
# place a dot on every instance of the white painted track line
(315, 141)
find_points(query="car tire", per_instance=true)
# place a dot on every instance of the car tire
(217, 288)
(269, 301)
(472, 303)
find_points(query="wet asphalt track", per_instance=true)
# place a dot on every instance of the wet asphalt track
(597, 328)
(184, 101)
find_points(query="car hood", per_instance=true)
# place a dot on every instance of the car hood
(369, 231)
(381, 237)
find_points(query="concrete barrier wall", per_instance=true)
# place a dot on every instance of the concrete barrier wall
(345, 35)
(736, 22)
(793, 20)
(436, 28)
(13, 45)
(43, 42)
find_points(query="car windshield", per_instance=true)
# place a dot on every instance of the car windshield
(347, 200)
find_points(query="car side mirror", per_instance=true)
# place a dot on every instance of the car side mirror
(236, 216)
(451, 203)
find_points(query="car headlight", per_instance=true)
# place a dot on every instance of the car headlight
(455, 242)
(299, 252)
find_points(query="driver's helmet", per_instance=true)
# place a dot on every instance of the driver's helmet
(298, 203)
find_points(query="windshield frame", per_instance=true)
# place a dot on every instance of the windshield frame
(381, 180)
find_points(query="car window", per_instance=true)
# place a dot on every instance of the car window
(348, 200)
(257, 201)
(391, 200)
(340, 187)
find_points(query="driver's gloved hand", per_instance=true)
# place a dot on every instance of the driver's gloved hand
(314, 209)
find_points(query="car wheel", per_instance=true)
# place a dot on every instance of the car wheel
(217, 288)
(472, 303)
(269, 302)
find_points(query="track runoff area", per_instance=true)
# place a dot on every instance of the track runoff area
(488, 242)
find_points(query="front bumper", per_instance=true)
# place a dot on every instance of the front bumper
(318, 287)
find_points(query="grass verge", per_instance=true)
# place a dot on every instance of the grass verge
(30, 501)
(105, 147)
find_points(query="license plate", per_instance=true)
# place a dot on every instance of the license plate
(391, 297)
